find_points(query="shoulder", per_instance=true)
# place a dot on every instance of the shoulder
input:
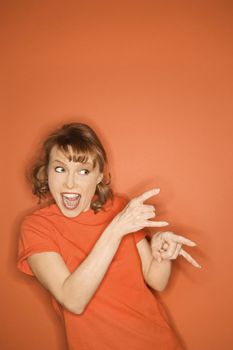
(37, 235)
(120, 199)
(37, 231)
(111, 208)
(117, 203)
(40, 217)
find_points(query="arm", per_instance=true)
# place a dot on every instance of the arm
(75, 290)
(156, 257)
(156, 274)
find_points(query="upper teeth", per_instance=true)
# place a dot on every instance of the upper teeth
(71, 195)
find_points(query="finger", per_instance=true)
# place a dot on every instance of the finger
(146, 195)
(165, 246)
(157, 256)
(155, 224)
(143, 209)
(146, 215)
(147, 208)
(177, 251)
(168, 254)
(156, 243)
(189, 258)
(178, 239)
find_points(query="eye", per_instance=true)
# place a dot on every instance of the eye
(84, 172)
(59, 169)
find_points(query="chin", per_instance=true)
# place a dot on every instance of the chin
(70, 213)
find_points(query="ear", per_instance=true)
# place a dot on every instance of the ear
(100, 178)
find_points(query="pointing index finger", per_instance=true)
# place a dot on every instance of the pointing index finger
(189, 258)
(186, 241)
(146, 195)
(179, 239)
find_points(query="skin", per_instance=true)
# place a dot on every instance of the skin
(75, 290)
(72, 177)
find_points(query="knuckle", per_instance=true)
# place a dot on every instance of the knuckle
(132, 202)
(136, 210)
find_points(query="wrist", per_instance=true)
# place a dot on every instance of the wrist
(113, 234)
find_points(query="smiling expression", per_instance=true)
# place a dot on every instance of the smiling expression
(72, 184)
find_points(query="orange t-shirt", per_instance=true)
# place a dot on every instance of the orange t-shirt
(123, 313)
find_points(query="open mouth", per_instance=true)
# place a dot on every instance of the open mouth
(70, 200)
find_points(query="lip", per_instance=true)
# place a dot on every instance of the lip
(74, 193)
(70, 203)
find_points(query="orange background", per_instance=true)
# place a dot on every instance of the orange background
(154, 79)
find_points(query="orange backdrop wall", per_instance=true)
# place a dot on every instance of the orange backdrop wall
(154, 79)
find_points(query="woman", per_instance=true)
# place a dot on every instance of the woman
(88, 249)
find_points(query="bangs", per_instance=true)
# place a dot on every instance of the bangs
(77, 155)
(78, 143)
(79, 146)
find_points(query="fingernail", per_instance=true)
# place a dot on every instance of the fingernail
(197, 265)
(157, 190)
(165, 223)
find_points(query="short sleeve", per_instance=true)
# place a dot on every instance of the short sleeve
(139, 235)
(36, 235)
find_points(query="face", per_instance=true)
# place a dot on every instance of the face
(72, 184)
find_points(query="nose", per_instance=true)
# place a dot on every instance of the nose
(70, 181)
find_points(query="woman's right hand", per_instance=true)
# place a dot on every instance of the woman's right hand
(136, 215)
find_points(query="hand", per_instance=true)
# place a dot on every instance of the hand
(136, 215)
(167, 245)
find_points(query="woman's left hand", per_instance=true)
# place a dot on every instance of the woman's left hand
(168, 246)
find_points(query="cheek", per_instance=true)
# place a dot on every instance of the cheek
(91, 187)
(53, 181)
(50, 179)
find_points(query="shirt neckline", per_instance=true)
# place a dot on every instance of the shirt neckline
(109, 210)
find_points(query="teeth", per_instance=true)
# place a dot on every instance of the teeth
(71, 195)
(71, 200)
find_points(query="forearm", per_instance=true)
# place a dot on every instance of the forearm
(158, 274)
(81, 285)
